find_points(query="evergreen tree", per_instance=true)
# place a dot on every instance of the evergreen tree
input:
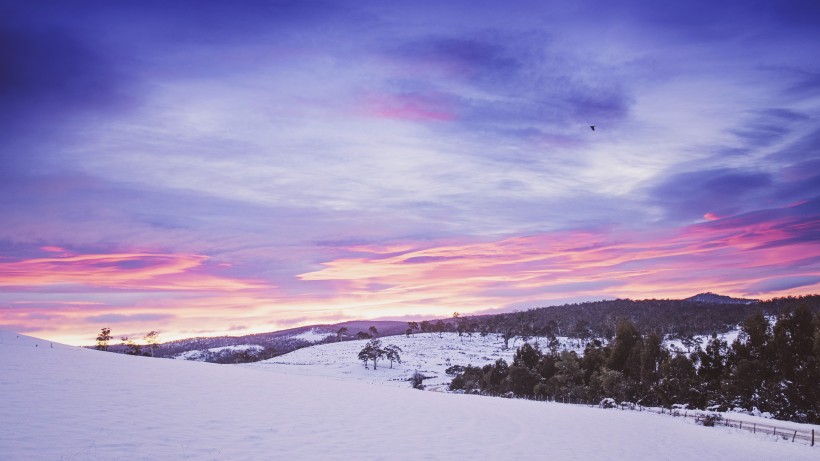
(796, 366)
(712, 369)
(626, 337)
(750, 377)
(652, 355)
(527, 356)
(675, 386)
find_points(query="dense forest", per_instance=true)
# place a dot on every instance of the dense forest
(772, 367)
(669, 318)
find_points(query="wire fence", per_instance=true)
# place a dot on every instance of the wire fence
(806, 436)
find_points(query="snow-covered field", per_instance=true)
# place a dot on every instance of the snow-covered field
(426, 353)
(68, 403)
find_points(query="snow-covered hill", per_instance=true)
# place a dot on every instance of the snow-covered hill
(69, 403)
(430, 354)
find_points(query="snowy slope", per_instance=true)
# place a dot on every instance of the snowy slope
(70, 403)
(429, 354)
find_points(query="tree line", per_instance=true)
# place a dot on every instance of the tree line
(771, 368)
(128, 346)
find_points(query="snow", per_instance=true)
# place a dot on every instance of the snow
(313, 335)
(703, 340)
(199, 355)
(62, 402)
(429, 354)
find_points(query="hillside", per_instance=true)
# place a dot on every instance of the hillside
(430, 354)
(714, 298)
(65, 402)
(699, 315)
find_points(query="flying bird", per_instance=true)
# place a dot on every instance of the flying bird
(592, 127)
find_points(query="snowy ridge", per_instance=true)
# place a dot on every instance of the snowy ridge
(189, 410)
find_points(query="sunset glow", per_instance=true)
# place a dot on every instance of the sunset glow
(200, 169)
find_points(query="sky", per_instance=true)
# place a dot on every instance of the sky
(209, 168)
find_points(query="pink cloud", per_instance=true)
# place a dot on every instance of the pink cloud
(675, 264)
(132, 271)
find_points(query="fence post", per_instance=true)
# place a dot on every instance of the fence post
(741, 424)
(795, 435)
(812, 437)
(754, 428)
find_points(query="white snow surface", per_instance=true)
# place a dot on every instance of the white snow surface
(313, 335)
(69, 403)
(429, 354)
(199, 354)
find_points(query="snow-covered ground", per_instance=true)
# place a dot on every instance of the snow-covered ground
(68, 403)
(429, 354)
(199, 355)
(313, 335)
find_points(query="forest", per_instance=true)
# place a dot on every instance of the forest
(773, 366)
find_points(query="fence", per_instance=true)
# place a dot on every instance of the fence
(787, 433)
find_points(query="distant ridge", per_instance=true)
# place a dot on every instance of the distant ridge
(715, 298)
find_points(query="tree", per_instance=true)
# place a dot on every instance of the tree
(339, 334)
(412, 326)
(372, 351)
(712, 368)
(391, 353)
(626, 337)
(425, 326)
(527, 356)
(131, 348)
(373, 331)
(677, 375)
(750, 379)
(102, 339)
(440, 328)
(461, 325)
(796, 366)
(152, 340)
(509, 329)
(363, 335)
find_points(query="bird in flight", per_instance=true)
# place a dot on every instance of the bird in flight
(592, 127)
